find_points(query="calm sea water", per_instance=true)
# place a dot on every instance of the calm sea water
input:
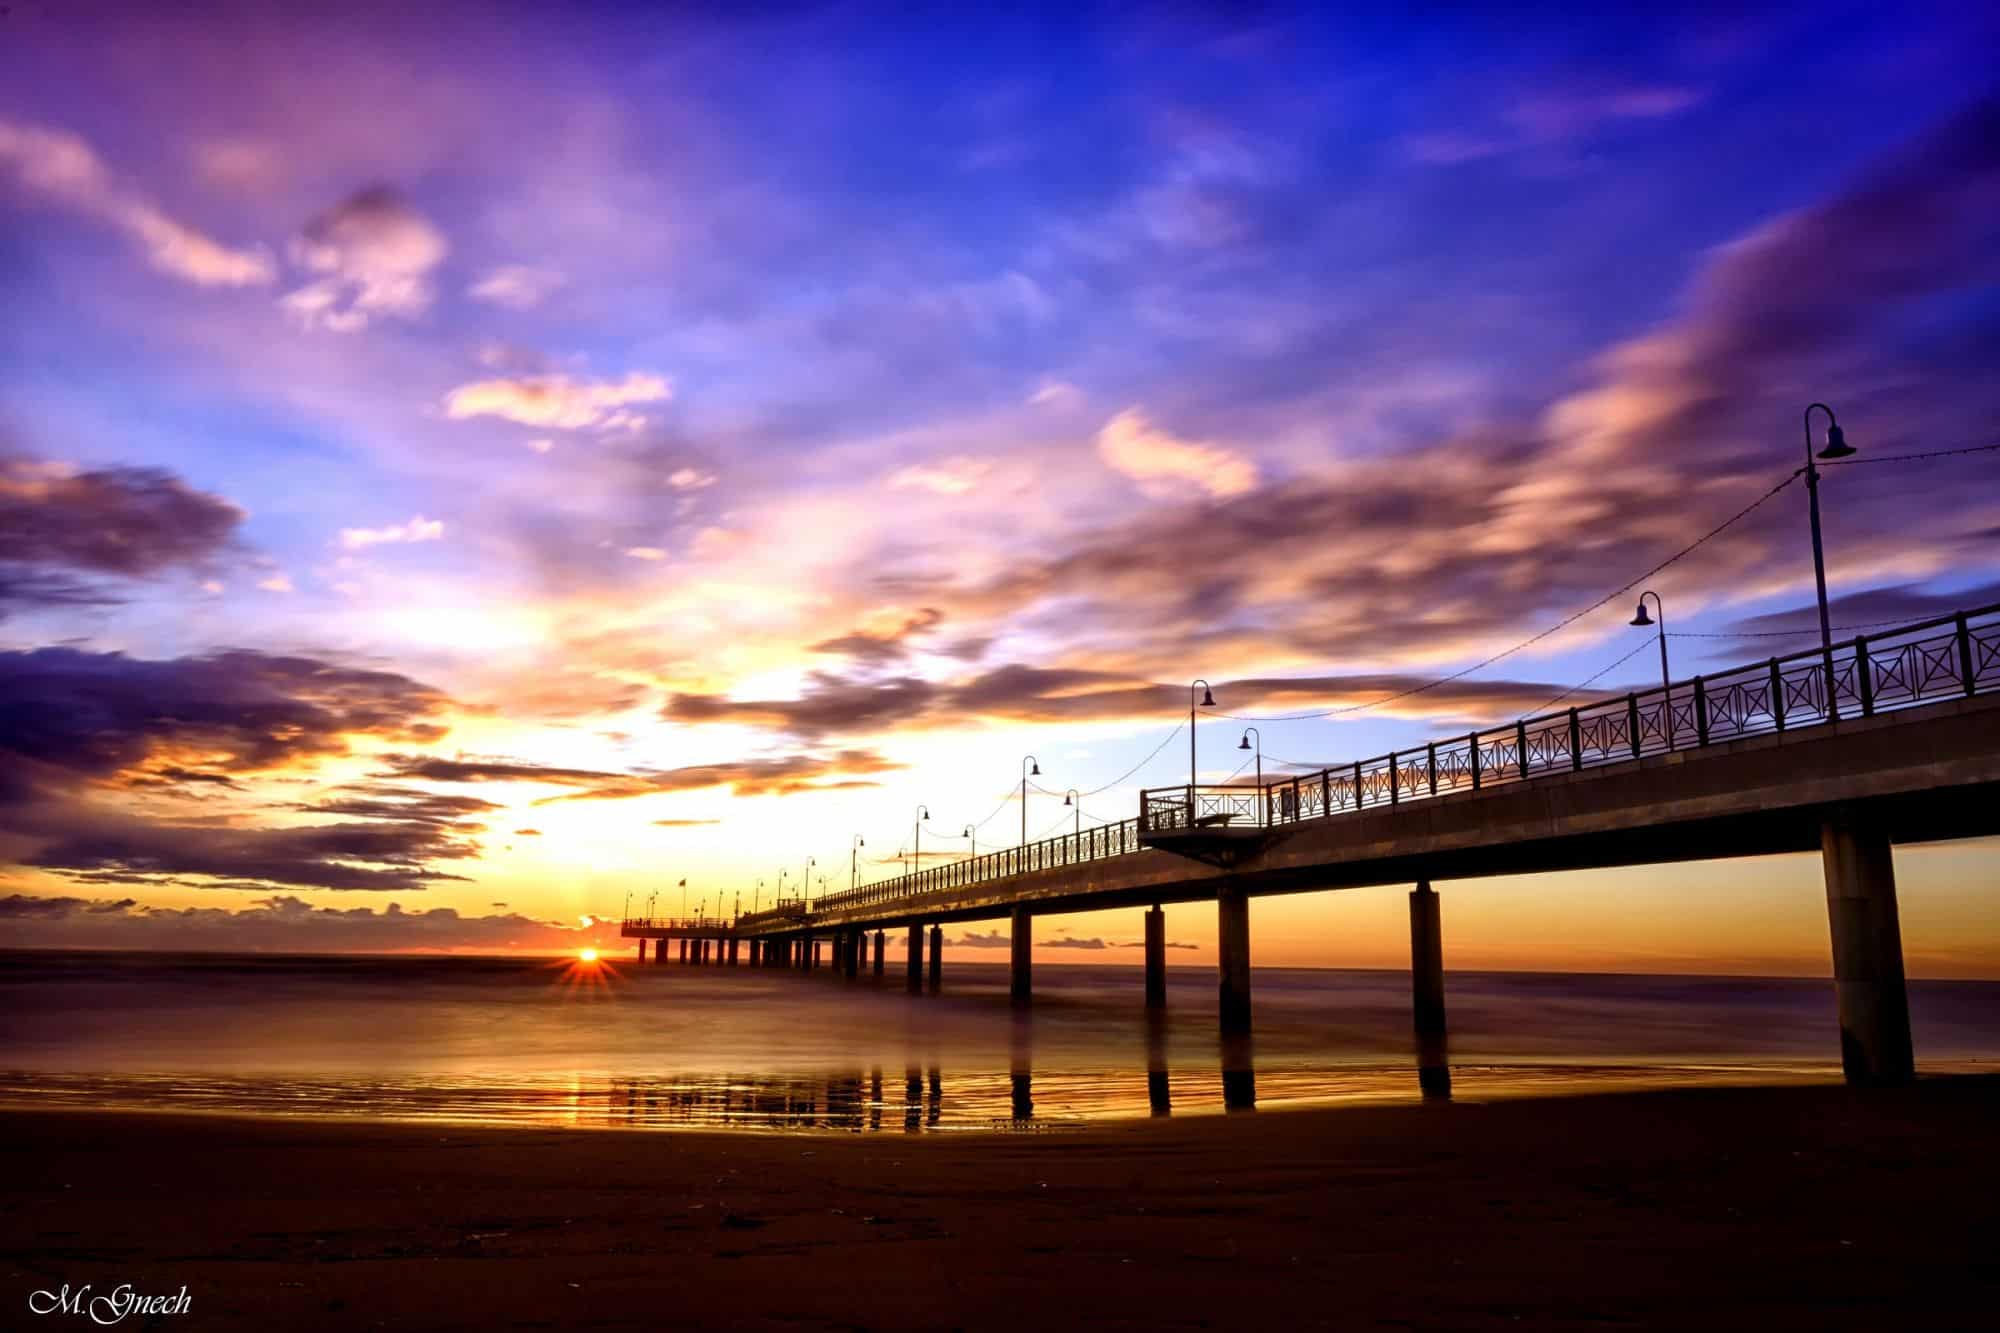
(510, 1041)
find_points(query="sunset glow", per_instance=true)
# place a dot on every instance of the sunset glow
(624, 447)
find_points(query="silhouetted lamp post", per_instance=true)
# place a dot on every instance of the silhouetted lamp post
(971, 835)
(1642, 620)
(917, 856)
(1207, 701)
(853, 849)
(1836, 447)
(806, 882)
(1030, 768)
(1071, 798)
(1244, 744)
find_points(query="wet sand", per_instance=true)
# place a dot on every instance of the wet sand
(1804, 1207)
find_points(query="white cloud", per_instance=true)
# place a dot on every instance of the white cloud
(556, 401)
(1057, 394)
(418, 529)
(276, 583)
(61, 166)
(950, 476)
(374, 255)
(690, 479)
(542, 445)
(1161, 463)
(645, 553)
(516, 286)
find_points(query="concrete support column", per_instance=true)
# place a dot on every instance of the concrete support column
(1233, 942)
(1156, 959)
(1021, 975)
(881, 952)
(1874, 1004)
(915, 980)
(732, 952)
(642, 953)
(937, 958)
(1427, 991)
(857, 944)
(684, 951)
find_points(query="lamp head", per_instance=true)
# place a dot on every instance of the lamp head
(1034, 769)
(1207, 698)
(1836, 444)
(1642, 618)
(1244, 744)
(1066, 800)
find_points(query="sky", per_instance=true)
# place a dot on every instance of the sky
(465, 469)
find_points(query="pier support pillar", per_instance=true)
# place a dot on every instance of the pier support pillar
(732, 952)
(1874, 1004)
(1156, 959)
(684, 951)
(881, 952)
(1021, 972)
(1233, 943)
(850, 954)
(1427, 990)
(916, 960)
(642, 953)
(937, 958)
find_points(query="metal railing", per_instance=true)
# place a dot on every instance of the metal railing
(1912, 665)
(1092, 844)
(675, 923)
(1915, 664)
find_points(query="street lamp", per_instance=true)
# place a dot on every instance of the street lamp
(923, 814)
(1836, 447)
(1642, 620)
(858, 842)
(806, 881)
(1030, 768)
(971, 835)
(1207, 701)
(1244, 744)
(1078, 803)
(758, 896)
(781, 886)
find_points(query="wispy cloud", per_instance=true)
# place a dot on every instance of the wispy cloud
(556, 401)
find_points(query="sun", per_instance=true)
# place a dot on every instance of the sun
(587, 955)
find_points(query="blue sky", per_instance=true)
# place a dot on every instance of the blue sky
(846, 393)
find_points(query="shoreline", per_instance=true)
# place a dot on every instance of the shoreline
(1814, 1206)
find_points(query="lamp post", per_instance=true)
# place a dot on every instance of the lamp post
(1836, 447)
(1244, 744)
(758, 896)
(971, 835)
(852, 850)
(917, 859)
(1073, 798)
(1030, 768)
(1642, 620)
(1207, 701)
(806, 882)
(781, 886)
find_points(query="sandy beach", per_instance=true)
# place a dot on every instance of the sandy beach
(1811, 1208)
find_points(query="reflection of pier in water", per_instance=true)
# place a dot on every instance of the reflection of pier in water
(861, 1102)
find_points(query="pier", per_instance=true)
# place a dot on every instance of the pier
(1890, 738)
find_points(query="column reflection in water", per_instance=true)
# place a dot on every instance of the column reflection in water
(1020, 1063)
(934, 1109)
(913, 1099)
(1239, 1073)
(1157, 1094)
(875, 1097)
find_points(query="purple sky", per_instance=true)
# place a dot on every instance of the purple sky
(533, 456)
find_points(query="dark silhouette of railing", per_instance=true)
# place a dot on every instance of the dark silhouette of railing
(1916, 664)
(1902, 668)
(676, 923)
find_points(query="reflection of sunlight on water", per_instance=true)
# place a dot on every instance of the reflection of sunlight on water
(857, 1102)
(565, 1043)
